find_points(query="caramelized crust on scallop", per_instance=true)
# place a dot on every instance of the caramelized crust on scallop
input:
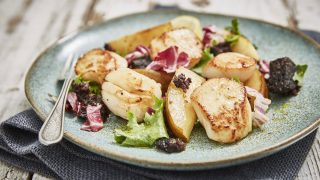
(230, 65)
(233, 60)
(223, 109)
(97, 63)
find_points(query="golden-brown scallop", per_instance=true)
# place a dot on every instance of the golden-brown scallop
(97, 63)
(230, 65)
(186, 41)
(223, 109)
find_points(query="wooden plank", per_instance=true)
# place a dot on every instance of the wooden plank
(34, 33)
(11, 13)
(292, 13)
(292, 19)
(37, 26)
(9, 172)
(268, 10)
(40, 177)
(14, 6)
(311, 167)
(107, 9)
(307, 14)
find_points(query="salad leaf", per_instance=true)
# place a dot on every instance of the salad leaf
(234, 35)
(146, 133)
(214, 43)
(206, 56)
(234, 28)
(298, 76)
(232, 38)
(78, 80)
(94, 87)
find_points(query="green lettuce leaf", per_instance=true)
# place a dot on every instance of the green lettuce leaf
(234, 28)
(298, 76)
(146, 133)
(206, 56)
(78, 80)
(232, 38)
(234, 35)
(94, 87)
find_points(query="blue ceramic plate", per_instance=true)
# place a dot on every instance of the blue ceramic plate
(292, 117)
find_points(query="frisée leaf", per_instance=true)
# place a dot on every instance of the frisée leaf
(206, 56)
(299, 74)
(146, 133)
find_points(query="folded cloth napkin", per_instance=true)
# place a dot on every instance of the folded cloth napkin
(19, 146)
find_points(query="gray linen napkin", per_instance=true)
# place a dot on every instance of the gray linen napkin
(19, 146)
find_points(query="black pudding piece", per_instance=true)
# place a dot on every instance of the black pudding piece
(221, 48)
(281, 80)
(170, 145)
(140, 63)
(108, 47)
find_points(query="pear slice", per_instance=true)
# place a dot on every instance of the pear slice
(179, 111)
(159, 76)
(128, 43)
(257, 82)
(245, 47)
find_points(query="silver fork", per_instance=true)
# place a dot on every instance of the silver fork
(52, 129)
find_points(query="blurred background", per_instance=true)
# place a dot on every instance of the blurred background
(27, 26)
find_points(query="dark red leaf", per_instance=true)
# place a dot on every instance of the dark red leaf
(73, 101)
(169, 60)
(94, 121)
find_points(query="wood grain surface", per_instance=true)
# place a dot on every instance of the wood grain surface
(28, 26)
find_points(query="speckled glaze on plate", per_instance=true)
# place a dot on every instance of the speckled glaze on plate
(292, 117)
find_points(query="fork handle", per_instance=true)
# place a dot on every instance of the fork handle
(52, 129)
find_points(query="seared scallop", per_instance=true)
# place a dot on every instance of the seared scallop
(97, 63)
(128, 91)
(186, 41)
(223, 109)
(230, 65)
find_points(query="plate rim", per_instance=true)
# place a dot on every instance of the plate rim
(154, 164)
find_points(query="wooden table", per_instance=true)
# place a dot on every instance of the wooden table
(28, 26)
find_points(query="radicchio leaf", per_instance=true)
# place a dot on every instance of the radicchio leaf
(264, 68)
(150, 111)
(94, 121)
(207, 36)
(169, 60)
(212, 36)
(261, 105)
(73, 101)
(139, 52)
